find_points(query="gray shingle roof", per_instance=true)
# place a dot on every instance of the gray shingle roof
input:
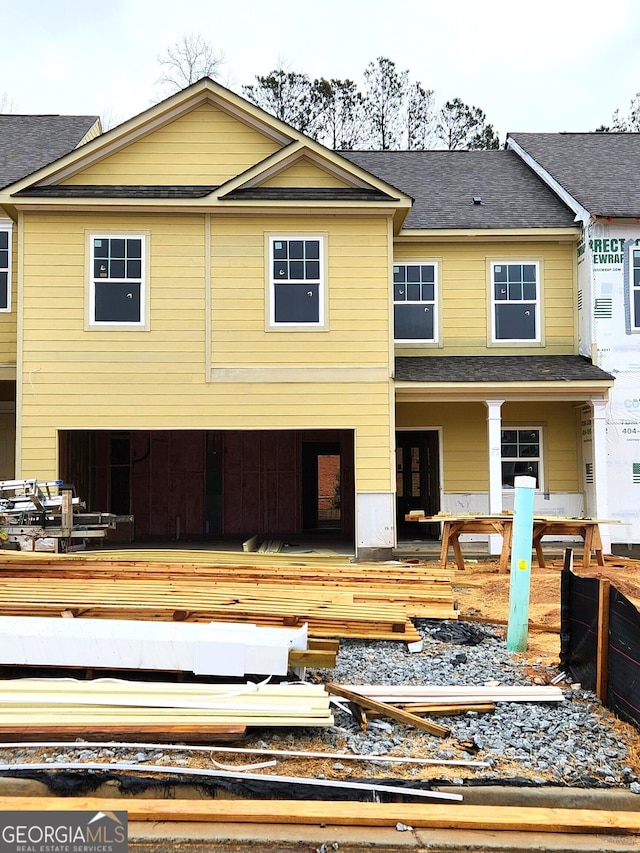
(600, 170)
(117, 191)
(497, 368)
(308, 194)
(29, 142)
(443, 184)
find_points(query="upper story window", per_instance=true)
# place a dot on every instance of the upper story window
(515, 300)
(117, 284)
(635, 289)
(5, 267)
(521, 455)
(297, 285)
(414, 302)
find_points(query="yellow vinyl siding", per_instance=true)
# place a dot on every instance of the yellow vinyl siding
(74, 378)
(465, 295)
(8, 319)
(464, 440)
(205, 146)
(358, 317)
(304, 173)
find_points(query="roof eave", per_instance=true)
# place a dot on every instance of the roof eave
(565, 234)
(572, 390)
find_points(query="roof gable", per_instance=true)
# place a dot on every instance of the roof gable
(598, 170)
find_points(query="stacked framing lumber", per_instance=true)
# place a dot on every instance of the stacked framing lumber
(335, 597)
(416, 815)
(35, 704)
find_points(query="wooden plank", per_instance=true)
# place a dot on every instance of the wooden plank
(320, 813)
(149, 733)
(389, 711)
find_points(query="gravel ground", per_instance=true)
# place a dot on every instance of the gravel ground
(573, 743)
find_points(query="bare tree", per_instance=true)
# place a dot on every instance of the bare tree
(462, 127)
(289, 96)
(189, 59)
(341, 122)
(421, 118)
(630, 122)
(385, 96)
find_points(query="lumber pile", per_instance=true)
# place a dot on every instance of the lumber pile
(35, 705)
(335, 597)
(423, 694)
(321, 813)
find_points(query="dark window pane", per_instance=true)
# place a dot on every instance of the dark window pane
(101, 268)
(279, 249)
(636, 276)
(636, 303)
(413, 322)
(4, 290)
(529, 292)
(428, 274)
(529, 272)
(134, 248)
(508, 473)
(529, 450)
(399, 274)
(399, 292)
(528, 435)
(296, 270)
(117, 303)
(280, 269)
(296, 249)
(500, 291)
(4, 239)
(510, 450)
(101, 248)
(429, 292)
(515, 292)
(510, 435)
(117, 248)
(515, 322)
(312, 269)
(499, 273)
(514, 272)
(312, 249)
(413, 292)
(134, 269)
(297, 303)
(413, 273)
(4, 258)
(116, 269)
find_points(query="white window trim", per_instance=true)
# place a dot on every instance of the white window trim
(7, 225)
(518, 342)
(417, 342)
(540, 459)
(634, 327)
(323, 286)
(91, 324)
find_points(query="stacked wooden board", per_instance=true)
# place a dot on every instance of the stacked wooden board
(39, 704)
(335, 597)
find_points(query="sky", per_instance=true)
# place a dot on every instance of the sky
(546, 66)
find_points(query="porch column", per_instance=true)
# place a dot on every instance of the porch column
(494, 427)
(600, 474)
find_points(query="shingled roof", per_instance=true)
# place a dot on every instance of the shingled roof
(498, 368)
(29, 142)
(598, 169)
(443, 185)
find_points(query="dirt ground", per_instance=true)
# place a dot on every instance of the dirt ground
(482, 593)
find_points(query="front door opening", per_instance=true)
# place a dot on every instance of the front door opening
(321, 486)
(417, 481)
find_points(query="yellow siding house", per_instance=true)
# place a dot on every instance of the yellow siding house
(225, 329)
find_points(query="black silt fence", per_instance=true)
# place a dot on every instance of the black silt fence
(585, 649)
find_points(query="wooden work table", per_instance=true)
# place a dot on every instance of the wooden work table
(454, 526)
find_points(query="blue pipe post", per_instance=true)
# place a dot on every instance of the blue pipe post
(520, 582)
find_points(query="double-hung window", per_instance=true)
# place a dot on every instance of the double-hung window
(515, 301)
(521, 455)
(634, 286)
(297, 285)
(414, 303)
(5, 267)
(117, 280)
